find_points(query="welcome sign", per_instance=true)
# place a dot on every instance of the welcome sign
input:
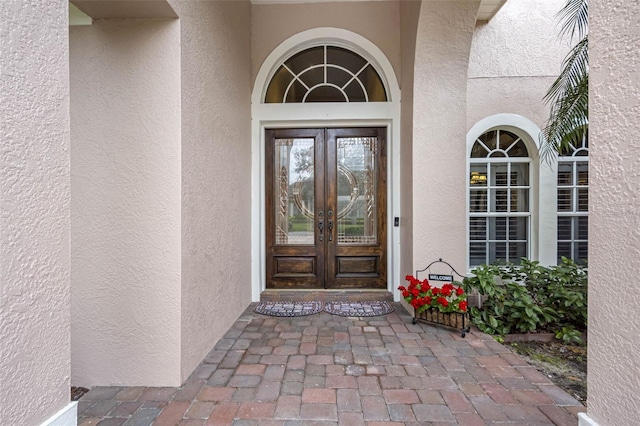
(438, 277)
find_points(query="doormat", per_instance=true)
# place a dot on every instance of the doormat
(358, 309)
(288, 309)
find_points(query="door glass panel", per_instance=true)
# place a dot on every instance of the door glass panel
(357, 188)
(294, 191)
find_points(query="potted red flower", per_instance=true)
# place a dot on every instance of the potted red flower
(446, 305)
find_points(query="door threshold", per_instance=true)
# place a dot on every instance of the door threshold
(354, 295)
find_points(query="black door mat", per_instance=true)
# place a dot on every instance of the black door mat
(345, 309)
(288, 309)
(358, 309)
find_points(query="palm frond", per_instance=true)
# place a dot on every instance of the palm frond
(575, 19)
(568, 122)
(574, 68)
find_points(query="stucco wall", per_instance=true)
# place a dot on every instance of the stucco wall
(443, 41)
(378, 21)
(216, 171)
(514, 59)
(409, 14)
(34, 200)
(125, 209)
(614, 223)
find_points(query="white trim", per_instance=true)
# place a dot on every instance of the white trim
(310, 115)
(68, 416)
(78, 17)
(542, 245)
(319, 37)
(585, 420)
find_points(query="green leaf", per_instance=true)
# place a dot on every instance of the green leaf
(493, 322)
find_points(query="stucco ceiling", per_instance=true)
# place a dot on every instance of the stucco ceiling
(106, 9)
(161, 9)
(488, 8)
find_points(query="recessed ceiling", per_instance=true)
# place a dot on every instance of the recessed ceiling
(488, 8)
(121, 9)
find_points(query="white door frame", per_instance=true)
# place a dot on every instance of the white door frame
(321, 115)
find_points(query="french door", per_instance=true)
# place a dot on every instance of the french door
(326, 208)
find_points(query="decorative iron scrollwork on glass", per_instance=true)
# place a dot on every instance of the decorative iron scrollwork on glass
(354, 193)
(294, 197)
(357, 221)
(283, 198)
(298, 194)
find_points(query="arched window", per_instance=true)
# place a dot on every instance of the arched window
(499, 198)
(573, 202)
(326, 74)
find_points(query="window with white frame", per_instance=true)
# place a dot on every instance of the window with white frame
(499, 198)
(326, 74)
(573, 203)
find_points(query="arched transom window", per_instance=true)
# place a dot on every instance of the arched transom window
(326, 74)
(499, 198)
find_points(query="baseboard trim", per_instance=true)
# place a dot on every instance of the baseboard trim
(585, 420)
(68, 416)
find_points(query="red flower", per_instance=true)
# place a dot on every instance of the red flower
(420, 295)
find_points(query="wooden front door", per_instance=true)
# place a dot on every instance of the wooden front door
(326, 208)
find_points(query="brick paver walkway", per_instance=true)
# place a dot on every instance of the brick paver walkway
(326, 370)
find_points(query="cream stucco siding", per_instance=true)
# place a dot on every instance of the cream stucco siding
(127, 169)
(216, 171)
(377, 21)
(443, 41)
(125, 187)
(34, 223)
(514, 59)
(614, 223)
(409, 15)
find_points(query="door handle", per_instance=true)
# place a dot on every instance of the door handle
(330, 225)
(320, 224)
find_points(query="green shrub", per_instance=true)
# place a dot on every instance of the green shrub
(531, 298)
(353, 230)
